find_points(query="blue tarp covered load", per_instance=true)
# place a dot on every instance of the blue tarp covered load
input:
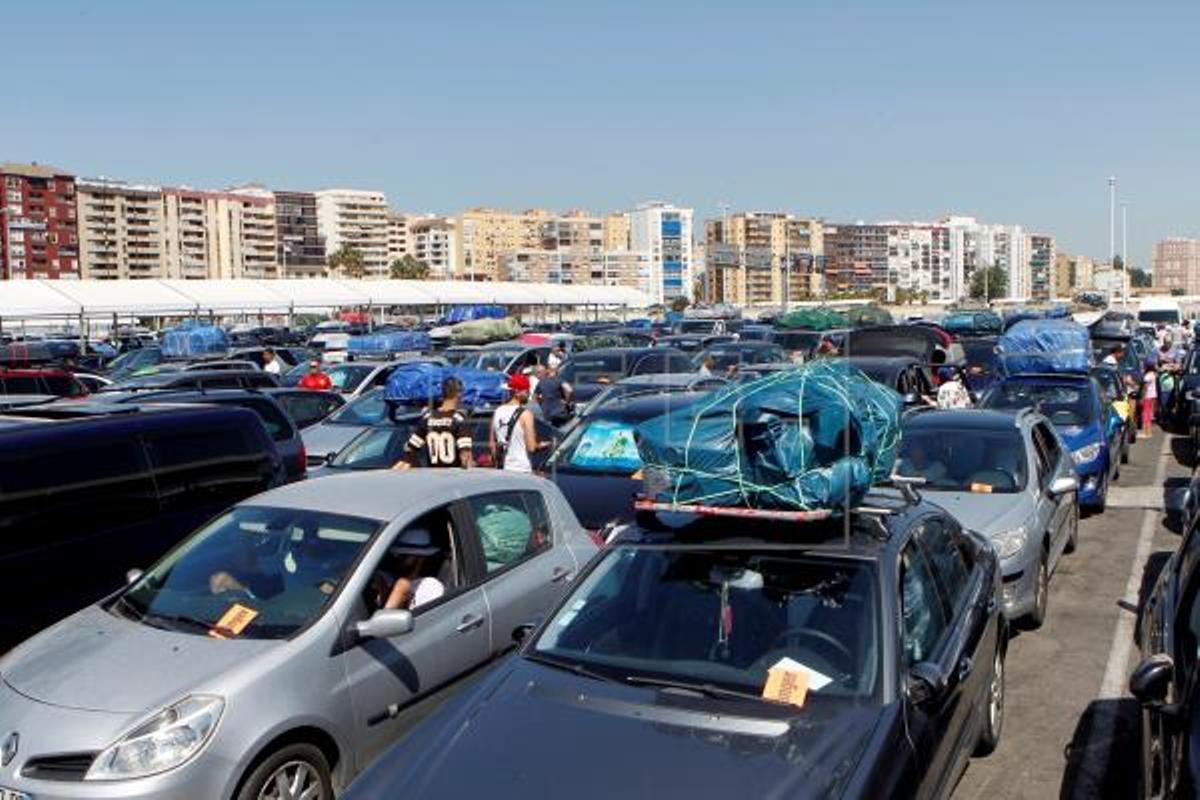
(392, 342)
(814, 437)
(1044, 346)
(420, 383)
(193, 339)
(470, 313)
(968, 323)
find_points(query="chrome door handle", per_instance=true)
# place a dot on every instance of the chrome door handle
(559, 574)
(469, 622)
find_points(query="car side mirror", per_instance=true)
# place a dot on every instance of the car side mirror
(329, 457)
(1151, 678)
(926, 683)
(132, 576)
(1064, 485)
(385, 623)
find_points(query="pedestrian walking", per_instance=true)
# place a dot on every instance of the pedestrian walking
(512, 437)
(1149, 397)
(553, 394)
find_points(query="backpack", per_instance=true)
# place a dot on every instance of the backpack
(509, 429)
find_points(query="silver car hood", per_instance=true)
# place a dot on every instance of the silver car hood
(989, 514)
(94, 661)
(323, 439)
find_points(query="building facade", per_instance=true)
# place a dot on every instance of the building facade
(1177, 265)
(358, 219)
(434, 240)
(577, 267)
(299, 245)
(1072, 274)
(486, 236)
(398, 241)
(761, 259)
(38, 233)
(974, 244)
(229, 234)
(616, 232)
(121, 233)
(1041, 252)
(664, 232)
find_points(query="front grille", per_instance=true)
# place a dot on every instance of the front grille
(65, 767)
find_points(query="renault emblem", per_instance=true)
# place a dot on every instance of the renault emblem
(8, 751)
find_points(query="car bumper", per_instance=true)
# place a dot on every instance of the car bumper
(1018, 589)
(1092, 483)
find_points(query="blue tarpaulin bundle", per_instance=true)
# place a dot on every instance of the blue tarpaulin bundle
(470, 313)
(193, 339)
(386, 343)
(814, 437)
(420, 383)
(1044, 346)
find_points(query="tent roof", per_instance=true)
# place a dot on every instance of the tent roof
(107, 297)
(230, 295)
(34, 299)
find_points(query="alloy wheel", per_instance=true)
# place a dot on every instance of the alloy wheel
(293, 780)
(996, 696)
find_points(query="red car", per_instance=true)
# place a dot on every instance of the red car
(57, 382)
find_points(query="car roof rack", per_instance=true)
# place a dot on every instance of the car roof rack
(779, 515)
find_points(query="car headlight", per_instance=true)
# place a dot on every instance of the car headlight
(164, 742)
(1009, 543)
(1086, 454)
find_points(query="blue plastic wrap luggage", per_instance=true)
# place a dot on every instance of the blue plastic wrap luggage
(481, 387)
(1056, 346)
(189, 340)
(382, 344)
(420, 383)
(471, 313)
(814, 437)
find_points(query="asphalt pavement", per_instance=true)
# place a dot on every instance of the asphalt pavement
(1072, 729)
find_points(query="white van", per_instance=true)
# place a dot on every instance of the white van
(1153, 310)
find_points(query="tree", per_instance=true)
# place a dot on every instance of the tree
(408, 268)
(989, 282)
(1139, 278)
(348, 261)
(1118, 263)
(679, 304)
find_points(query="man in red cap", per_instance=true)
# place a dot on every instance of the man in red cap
(513, 436)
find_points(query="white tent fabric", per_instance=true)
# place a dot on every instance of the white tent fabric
(39, 298)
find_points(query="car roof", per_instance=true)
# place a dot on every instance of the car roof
(635, 408)
(666, 379)
(386, 494)
(625, 351)
(964, 419)
(895, 362)
(1049, 379)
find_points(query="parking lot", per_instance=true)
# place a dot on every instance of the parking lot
(1072, 730)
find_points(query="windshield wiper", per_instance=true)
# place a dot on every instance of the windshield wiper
(570, 666)
(128, 609)
(706, 689)
(179, 619)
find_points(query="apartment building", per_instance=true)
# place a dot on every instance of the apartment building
(1177, 265)
(299, 245)
(434, 240)
(664, 232)
(1040, 253)
(761, 258)
(399, 245)
(185, 233)
(38, 233)
(616, 232)
(1072, 274)
(357, 219)
(229, 234)
(121, 233)
(856, 258)
(579, 267)
(974, 244)
(486, 236)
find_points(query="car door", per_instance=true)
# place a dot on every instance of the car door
(1055, 509)
(526, 562)
(450, 638)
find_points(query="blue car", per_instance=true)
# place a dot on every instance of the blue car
(1091, 430)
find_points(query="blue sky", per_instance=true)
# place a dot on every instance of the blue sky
(866, 109)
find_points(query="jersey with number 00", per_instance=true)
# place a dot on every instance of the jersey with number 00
(442, 434)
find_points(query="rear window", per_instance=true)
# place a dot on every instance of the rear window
(589, 367)
(276, 422)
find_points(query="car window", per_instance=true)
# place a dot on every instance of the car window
(1045, 466)
(982, 461)
(944, 550)
(276, 422)
(367, 409)
(511, 526)
(375, 448)
(924, 620)
(1051, 446)
(420, 567)
(200, 464)
(308, 408)
(604, 446)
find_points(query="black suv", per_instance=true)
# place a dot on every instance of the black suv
(89, 491)
(728, 656)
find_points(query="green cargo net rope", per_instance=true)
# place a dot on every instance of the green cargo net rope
(814, 437)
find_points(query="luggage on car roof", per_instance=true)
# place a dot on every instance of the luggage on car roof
(813, 319)
(193, 339)
(808, 438)
(1056, 346)
(420, 383)
(387, 343)
(473, 312)
(483, 331)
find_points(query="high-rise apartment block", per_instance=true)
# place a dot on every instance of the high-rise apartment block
(219, 234)
(357, 219)
(664, 232)
(38, 234)
(434, 240)
(1072, 274)
(1177, 265)
(299, 245)
(1041, 253)
(486, 236)
(120, 230)
(762, 259)
(399, 244)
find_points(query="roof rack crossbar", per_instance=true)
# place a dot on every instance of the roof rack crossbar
(907, 486)
(733, 511)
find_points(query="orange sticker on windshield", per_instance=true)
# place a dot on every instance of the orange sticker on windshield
(786, 686)
(233, 622)
(984, 488)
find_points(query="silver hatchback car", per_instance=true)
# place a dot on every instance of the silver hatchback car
(1006, 475)
(281, 647)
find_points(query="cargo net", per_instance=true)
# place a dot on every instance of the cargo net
(814, 437)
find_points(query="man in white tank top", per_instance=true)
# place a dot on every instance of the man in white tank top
(513, 435)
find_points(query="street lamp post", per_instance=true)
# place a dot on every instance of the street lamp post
(1124, 253)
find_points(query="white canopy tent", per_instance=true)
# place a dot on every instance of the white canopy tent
(92, 299)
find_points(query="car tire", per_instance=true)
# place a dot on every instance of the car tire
(296, 765)
(993, 713)
(1041, 598)
(1073, 536)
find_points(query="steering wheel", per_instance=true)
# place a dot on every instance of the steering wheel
(242, 594)
(823, 638)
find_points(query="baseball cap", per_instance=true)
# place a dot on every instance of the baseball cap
(518, 383)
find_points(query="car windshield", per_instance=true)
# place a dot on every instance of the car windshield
(980, 461)
(366, 409)
(1066, 406)
(698, 326)
(376, 448)
(603, 446)
(1169, 316)
(594, 367)
(253, 573)
(348, 377)
(723, 618)
(490, 360)
(724, 356)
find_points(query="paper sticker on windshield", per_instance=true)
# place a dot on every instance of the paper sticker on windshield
(233, 622)
(982, 488)
(816, 680)
(786, 686)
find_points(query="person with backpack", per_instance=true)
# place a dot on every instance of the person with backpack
(512, 436)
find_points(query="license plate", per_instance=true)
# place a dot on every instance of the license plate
(12, 794)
